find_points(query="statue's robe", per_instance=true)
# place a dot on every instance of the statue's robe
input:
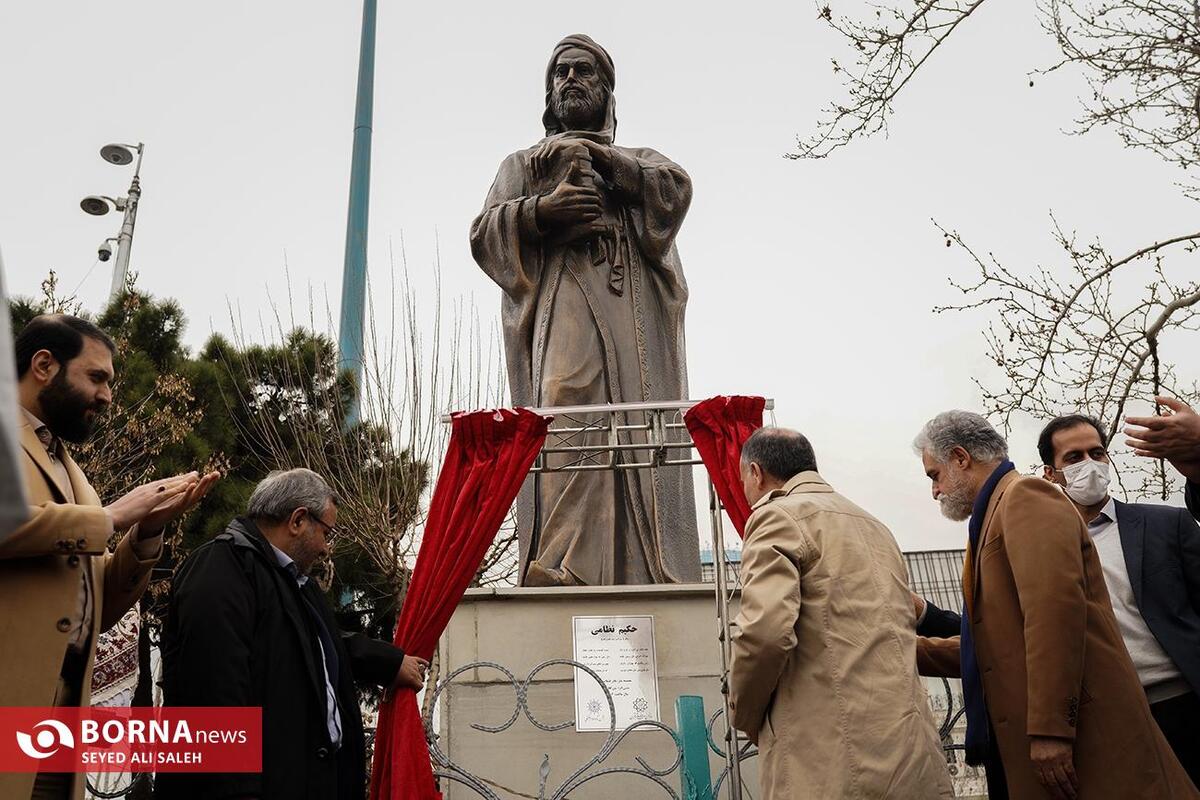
(597, 321)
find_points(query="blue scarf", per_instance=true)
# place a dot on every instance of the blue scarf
(979, 726)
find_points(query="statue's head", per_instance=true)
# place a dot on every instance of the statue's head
(579, 88)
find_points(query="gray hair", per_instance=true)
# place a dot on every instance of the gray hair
(284, 491)
(780, 452)
(964, 429)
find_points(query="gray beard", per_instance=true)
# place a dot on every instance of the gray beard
(577, 113)
(957, 504)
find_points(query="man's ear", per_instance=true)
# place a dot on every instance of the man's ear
(757, 473)
(44, 366)
(961, 458)
(296, 519)
(1048, 473)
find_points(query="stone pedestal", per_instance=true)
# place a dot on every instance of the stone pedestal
(521, 628)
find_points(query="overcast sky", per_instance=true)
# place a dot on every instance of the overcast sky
(811, 282)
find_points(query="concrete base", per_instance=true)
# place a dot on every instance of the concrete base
(521, 628)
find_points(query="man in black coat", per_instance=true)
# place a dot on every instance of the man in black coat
(246, 627)
(1151, 560)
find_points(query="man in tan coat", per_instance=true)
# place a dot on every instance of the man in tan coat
(59, 585)
(1064, 707)
(824, 677)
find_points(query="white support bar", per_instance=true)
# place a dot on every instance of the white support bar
(602, 408)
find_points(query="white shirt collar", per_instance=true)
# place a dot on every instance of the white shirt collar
(1107, 515)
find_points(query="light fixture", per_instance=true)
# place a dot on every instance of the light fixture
(118, 154)
(96, 205)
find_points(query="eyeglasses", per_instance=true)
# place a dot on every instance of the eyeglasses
(330, 531)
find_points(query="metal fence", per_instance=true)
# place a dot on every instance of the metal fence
(936, 575)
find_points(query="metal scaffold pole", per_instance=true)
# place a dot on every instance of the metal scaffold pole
(647, 436)
(732, 743)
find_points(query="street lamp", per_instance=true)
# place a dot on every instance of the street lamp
(98, 206)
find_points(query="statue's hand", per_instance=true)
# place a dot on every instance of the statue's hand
(581, 232)
(600, 156)
(544, 158)
(550, 151)
(575, 201)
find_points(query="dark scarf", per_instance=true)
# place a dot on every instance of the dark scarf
(979, 726)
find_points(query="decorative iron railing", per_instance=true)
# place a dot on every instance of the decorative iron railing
(120, 786)
(596, 768)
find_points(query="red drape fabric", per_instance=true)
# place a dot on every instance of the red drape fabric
(489, 455)
(720, 426)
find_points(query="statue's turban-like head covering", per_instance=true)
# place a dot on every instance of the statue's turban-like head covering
(608, 77)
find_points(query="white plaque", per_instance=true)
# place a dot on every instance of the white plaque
(621, 651)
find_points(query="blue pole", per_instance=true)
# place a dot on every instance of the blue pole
(354, 273)
(692, 726)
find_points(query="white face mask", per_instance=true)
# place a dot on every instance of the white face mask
(1087, 482)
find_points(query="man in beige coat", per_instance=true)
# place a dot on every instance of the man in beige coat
(824, 674)
(1067, 713)
(59, 585)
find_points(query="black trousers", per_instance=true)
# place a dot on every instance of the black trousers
(1178, 719)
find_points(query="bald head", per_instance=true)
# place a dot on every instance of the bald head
(771, 457)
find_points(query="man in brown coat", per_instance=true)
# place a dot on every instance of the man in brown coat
(59, 585)
(1058, 697)
(823, 677)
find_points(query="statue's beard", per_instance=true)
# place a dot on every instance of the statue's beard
(577, 110)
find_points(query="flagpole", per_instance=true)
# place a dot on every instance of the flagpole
(354, 272)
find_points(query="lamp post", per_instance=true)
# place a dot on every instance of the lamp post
(98, 206)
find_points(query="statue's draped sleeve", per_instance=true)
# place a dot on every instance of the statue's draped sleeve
(506, 244)
(659, 193)
(504, 237)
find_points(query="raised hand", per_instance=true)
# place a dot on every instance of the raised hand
(170, 510)
(133, 507)
(1175, 436)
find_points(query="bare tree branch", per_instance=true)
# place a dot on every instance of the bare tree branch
(890, 51)
(1140, 60)
(1077, 345)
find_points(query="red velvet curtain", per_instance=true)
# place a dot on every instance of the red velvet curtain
(720, 426)
(489, 455)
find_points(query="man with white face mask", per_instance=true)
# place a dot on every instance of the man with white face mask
(1150, 555)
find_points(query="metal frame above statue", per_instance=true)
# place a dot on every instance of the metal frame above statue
(579, 234)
